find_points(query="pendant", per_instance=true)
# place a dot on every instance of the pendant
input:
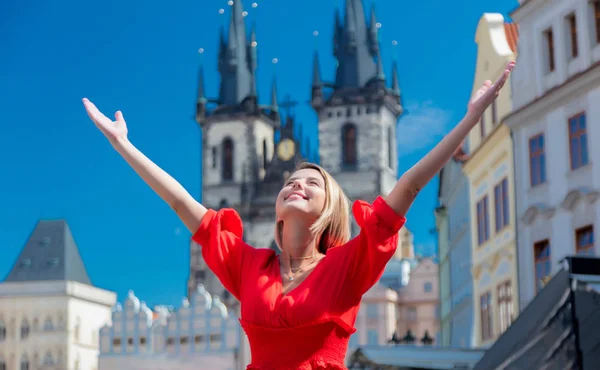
(291, 278)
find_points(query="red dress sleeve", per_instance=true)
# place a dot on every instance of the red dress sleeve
(223, 250)
(365, 256)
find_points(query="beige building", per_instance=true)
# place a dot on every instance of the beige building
(490, 173)
(418, 302)
(50, 312)
(376, 320)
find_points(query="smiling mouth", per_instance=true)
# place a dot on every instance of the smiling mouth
(296, 195)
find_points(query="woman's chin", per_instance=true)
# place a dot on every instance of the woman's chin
(295, 208)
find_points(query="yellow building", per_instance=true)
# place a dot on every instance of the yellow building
(489, 170)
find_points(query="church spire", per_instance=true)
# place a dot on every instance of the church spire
(317, 85)
(252, 60)
(395, 83)
(201, 102)
(274, 104)
(235, 65)
(354, 48)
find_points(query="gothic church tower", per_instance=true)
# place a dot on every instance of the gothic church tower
(357, 112)
(237, 134)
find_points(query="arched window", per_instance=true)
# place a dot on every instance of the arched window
(349, 147)
(24, 363)
(227, 151)
(24, 329)
(2, 332)
(265, 158)
(390, 140)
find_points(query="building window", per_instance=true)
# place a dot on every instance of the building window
(48, 360)
(541, 251)
(572, 27)
(372, 338)
(2, 364)
(349, 150)
(372, 311)
(427, 287)
(483, 223)
(411, 314)
(505, 311)
(390, 138)
(214, 157)
(596, 11)
(2, 332)
(584, 240)
(482, 125)
(227, 149)
(549, 38)
(48, 326)
(578, 143)
(24, 329)
(77, 328)
(494, 113)
(487, 329)
(24, 363)
(537, 160)
(264, 153)
(501, 205)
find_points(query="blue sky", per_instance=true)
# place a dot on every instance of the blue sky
(142, 57)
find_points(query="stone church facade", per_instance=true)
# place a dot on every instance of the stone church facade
(243, 167)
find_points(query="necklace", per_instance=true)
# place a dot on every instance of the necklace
(292, 274)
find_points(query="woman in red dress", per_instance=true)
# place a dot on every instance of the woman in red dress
(298, 308)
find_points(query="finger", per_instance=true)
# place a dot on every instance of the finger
(119, 116)
(92, 111)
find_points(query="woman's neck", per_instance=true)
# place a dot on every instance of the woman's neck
(298, 243)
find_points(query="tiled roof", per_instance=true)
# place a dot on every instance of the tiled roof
(50, 254)
(512, 35)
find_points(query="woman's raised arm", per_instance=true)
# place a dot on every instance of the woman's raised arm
(187, 208)
(408, 186)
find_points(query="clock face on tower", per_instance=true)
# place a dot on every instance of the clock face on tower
(286, 149)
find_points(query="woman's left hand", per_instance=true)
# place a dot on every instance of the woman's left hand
(488, 93)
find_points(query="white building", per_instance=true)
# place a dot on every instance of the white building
(555, 95)
(50, 312)
(199, 335)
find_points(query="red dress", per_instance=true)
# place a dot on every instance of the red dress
(310, 326)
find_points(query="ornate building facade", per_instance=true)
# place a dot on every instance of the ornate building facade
(201, 334)
(244, 167)
(555, 93)
(50, 312)
(490, 172)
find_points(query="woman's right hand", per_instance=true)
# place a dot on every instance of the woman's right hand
(113, 130)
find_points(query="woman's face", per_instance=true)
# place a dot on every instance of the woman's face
(303, 195)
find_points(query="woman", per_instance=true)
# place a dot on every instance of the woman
(298, 308)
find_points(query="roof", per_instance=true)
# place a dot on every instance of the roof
(50, 254)
(544, 334)
(416, 357)
(512, 35)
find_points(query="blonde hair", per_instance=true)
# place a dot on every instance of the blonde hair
(332, 228)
